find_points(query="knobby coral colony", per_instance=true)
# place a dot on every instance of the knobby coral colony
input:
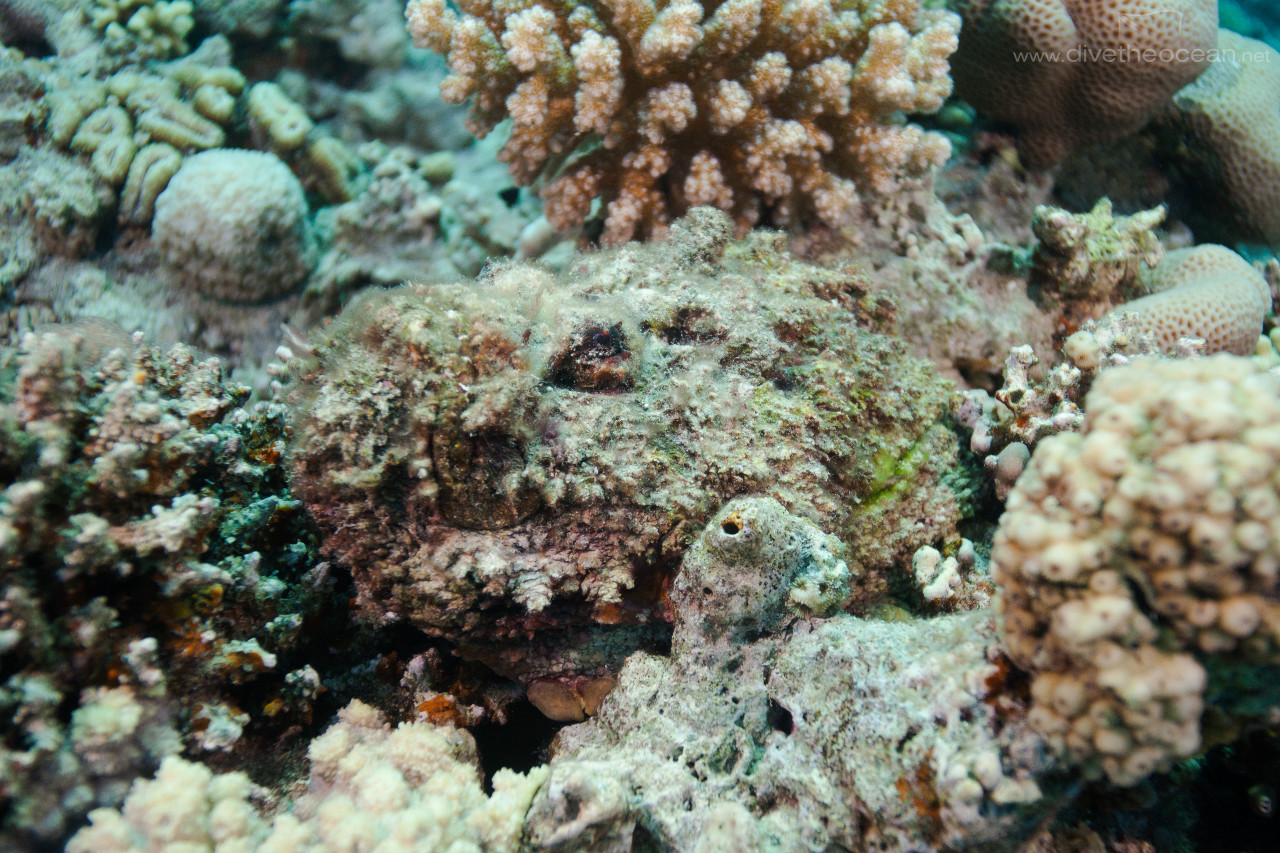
(757, 107)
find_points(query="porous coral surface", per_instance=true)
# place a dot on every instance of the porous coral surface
(1207, 292)
(525, 458)
(1230, 120)
(1073, 72)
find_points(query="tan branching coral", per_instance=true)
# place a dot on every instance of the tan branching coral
(656, 107)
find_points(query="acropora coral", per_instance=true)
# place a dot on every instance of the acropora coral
(769, 111)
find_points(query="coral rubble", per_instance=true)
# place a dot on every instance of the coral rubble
(151, 557)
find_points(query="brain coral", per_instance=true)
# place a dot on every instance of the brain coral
(1139, 563)
(525, 457)
(234, 224)
(1229, 126)
(752, 106)
(1073, 72)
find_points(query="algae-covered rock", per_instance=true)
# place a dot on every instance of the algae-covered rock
(814, 734)
(156, 577)
(526, 456)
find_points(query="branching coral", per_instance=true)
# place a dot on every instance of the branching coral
(752, 106)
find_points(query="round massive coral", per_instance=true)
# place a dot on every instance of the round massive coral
(1205, 292)
(657, 106)
(234, 223)
(1139, 564)
(526, 457)
(1229, 130)
(1073, 72)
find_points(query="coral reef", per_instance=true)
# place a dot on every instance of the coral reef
(372, 787)
(960, 294)
(512, 464)
(1229, 123)
(1205, 299)
(90, 139)
(370, 33)
(672, 546)
(125, 121)
(1138, 564)
(765, 738)
(1073, 72)
(152, 559)
(143, 29)
(760, 109)
(1096, 261)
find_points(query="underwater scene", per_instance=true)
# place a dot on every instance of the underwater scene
(738, 426)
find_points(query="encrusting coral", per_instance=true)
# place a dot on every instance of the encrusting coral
(758, 108)
(766, 727)
(1139, 564)
(515, 465)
